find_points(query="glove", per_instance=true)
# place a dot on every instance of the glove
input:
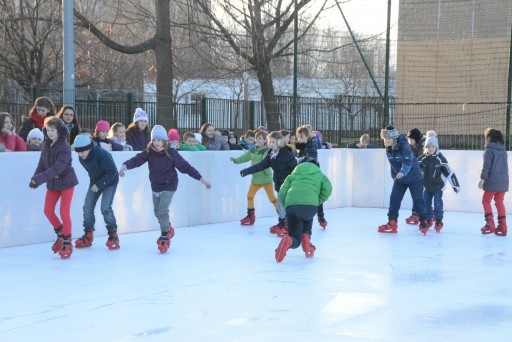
(122, 170)
(243, 173)
(33, 185)
(456, 190)
(481, 183)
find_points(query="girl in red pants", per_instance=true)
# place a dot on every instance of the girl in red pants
(494, 181)
(54, 169)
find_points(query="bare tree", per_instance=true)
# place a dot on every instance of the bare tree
(132, 14)
(265, 23)
(31, 49)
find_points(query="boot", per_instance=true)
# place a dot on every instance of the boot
(283, 247)
(249, 219)
(308, 248)
(164, 241)
(424, 226)
(502, 226)
(283, 228)
(489, 227)
(67, 247)
(113, 240)
(322, 221)
(390, 227)
(430, 222)
(86, 239)
(413, 219)
(57, 245)
(439, 225)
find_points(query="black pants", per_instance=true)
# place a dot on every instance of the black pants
(300, 220)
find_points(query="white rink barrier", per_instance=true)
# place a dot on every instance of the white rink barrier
(360, 178)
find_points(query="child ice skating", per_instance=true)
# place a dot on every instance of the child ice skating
(262, 179)
(103, 180)
(416, 142)
(436, 171)
(54, 169)
(162, 163)
(280, 158)
(301, 194)
(494, 181)
(406, 174)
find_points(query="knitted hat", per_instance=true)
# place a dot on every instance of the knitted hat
(82, 143)
(102, 126)
(139, 115)
(35, 133)
(431, 139)
(389, 132)
(173, 135)
(415, 134)
(158, 132)
(232, 135)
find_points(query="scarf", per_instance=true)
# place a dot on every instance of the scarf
(38, 120)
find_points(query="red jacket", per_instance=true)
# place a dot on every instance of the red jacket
(13, 142)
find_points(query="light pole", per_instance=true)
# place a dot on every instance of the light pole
(68, 93)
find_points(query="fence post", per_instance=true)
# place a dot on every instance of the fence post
(204, 110)
(35, 92)
(129, 106)
(252, 114)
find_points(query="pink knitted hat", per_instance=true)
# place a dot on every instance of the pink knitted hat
(102, 126)
(173, 135)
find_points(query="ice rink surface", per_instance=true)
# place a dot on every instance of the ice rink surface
(220, 282)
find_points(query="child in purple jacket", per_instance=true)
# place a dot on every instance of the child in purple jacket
(162, 162)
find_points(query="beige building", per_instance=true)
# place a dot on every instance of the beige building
(452, 65)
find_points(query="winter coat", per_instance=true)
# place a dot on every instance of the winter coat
(139, 142)
(245, 145)
(436, 171)
(54, 167)
(306, 185)
(255, 155)
(101, 167)
(235, 147)
(162, 168)
(215, 144)
(34, 121)
(401, 159)
(13, 143)
(282, 164)
(194, 148)
(125, 146)
(34, 147)
(495, 168)
(308, 149)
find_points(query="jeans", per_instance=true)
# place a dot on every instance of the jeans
(397, 194)
(300, 220)
(437, 197)
(107, 197)
(161, 203)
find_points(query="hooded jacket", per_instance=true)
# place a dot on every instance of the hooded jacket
(495, 168)
(401, 159)
(255, 155)
(101, 167)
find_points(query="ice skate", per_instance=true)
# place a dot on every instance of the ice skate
(249, 219)
(57, 245)
(390, 227)
(424, 226)
(278, 227)
(430, 223)
(439, 225)
(283, 228)
(283, 247)
(489, 227)
(86, 239)
(322, 221)
(308, 248)
(67, 247)
(413, 219)
(113, 240)
(164, 241)
(502, 226)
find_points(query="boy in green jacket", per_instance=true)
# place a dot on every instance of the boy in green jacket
(190, 143)
(262, 179)
(301, 194)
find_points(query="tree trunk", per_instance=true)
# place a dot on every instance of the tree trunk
(264, 75)
(165, 113)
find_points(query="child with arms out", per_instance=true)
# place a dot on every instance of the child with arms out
(282, 161)
(162, 163)
(261, 179)
(301, 194)
(435, 172)
(103, 180)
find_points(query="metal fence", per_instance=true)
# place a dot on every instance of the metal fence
(341, 120)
